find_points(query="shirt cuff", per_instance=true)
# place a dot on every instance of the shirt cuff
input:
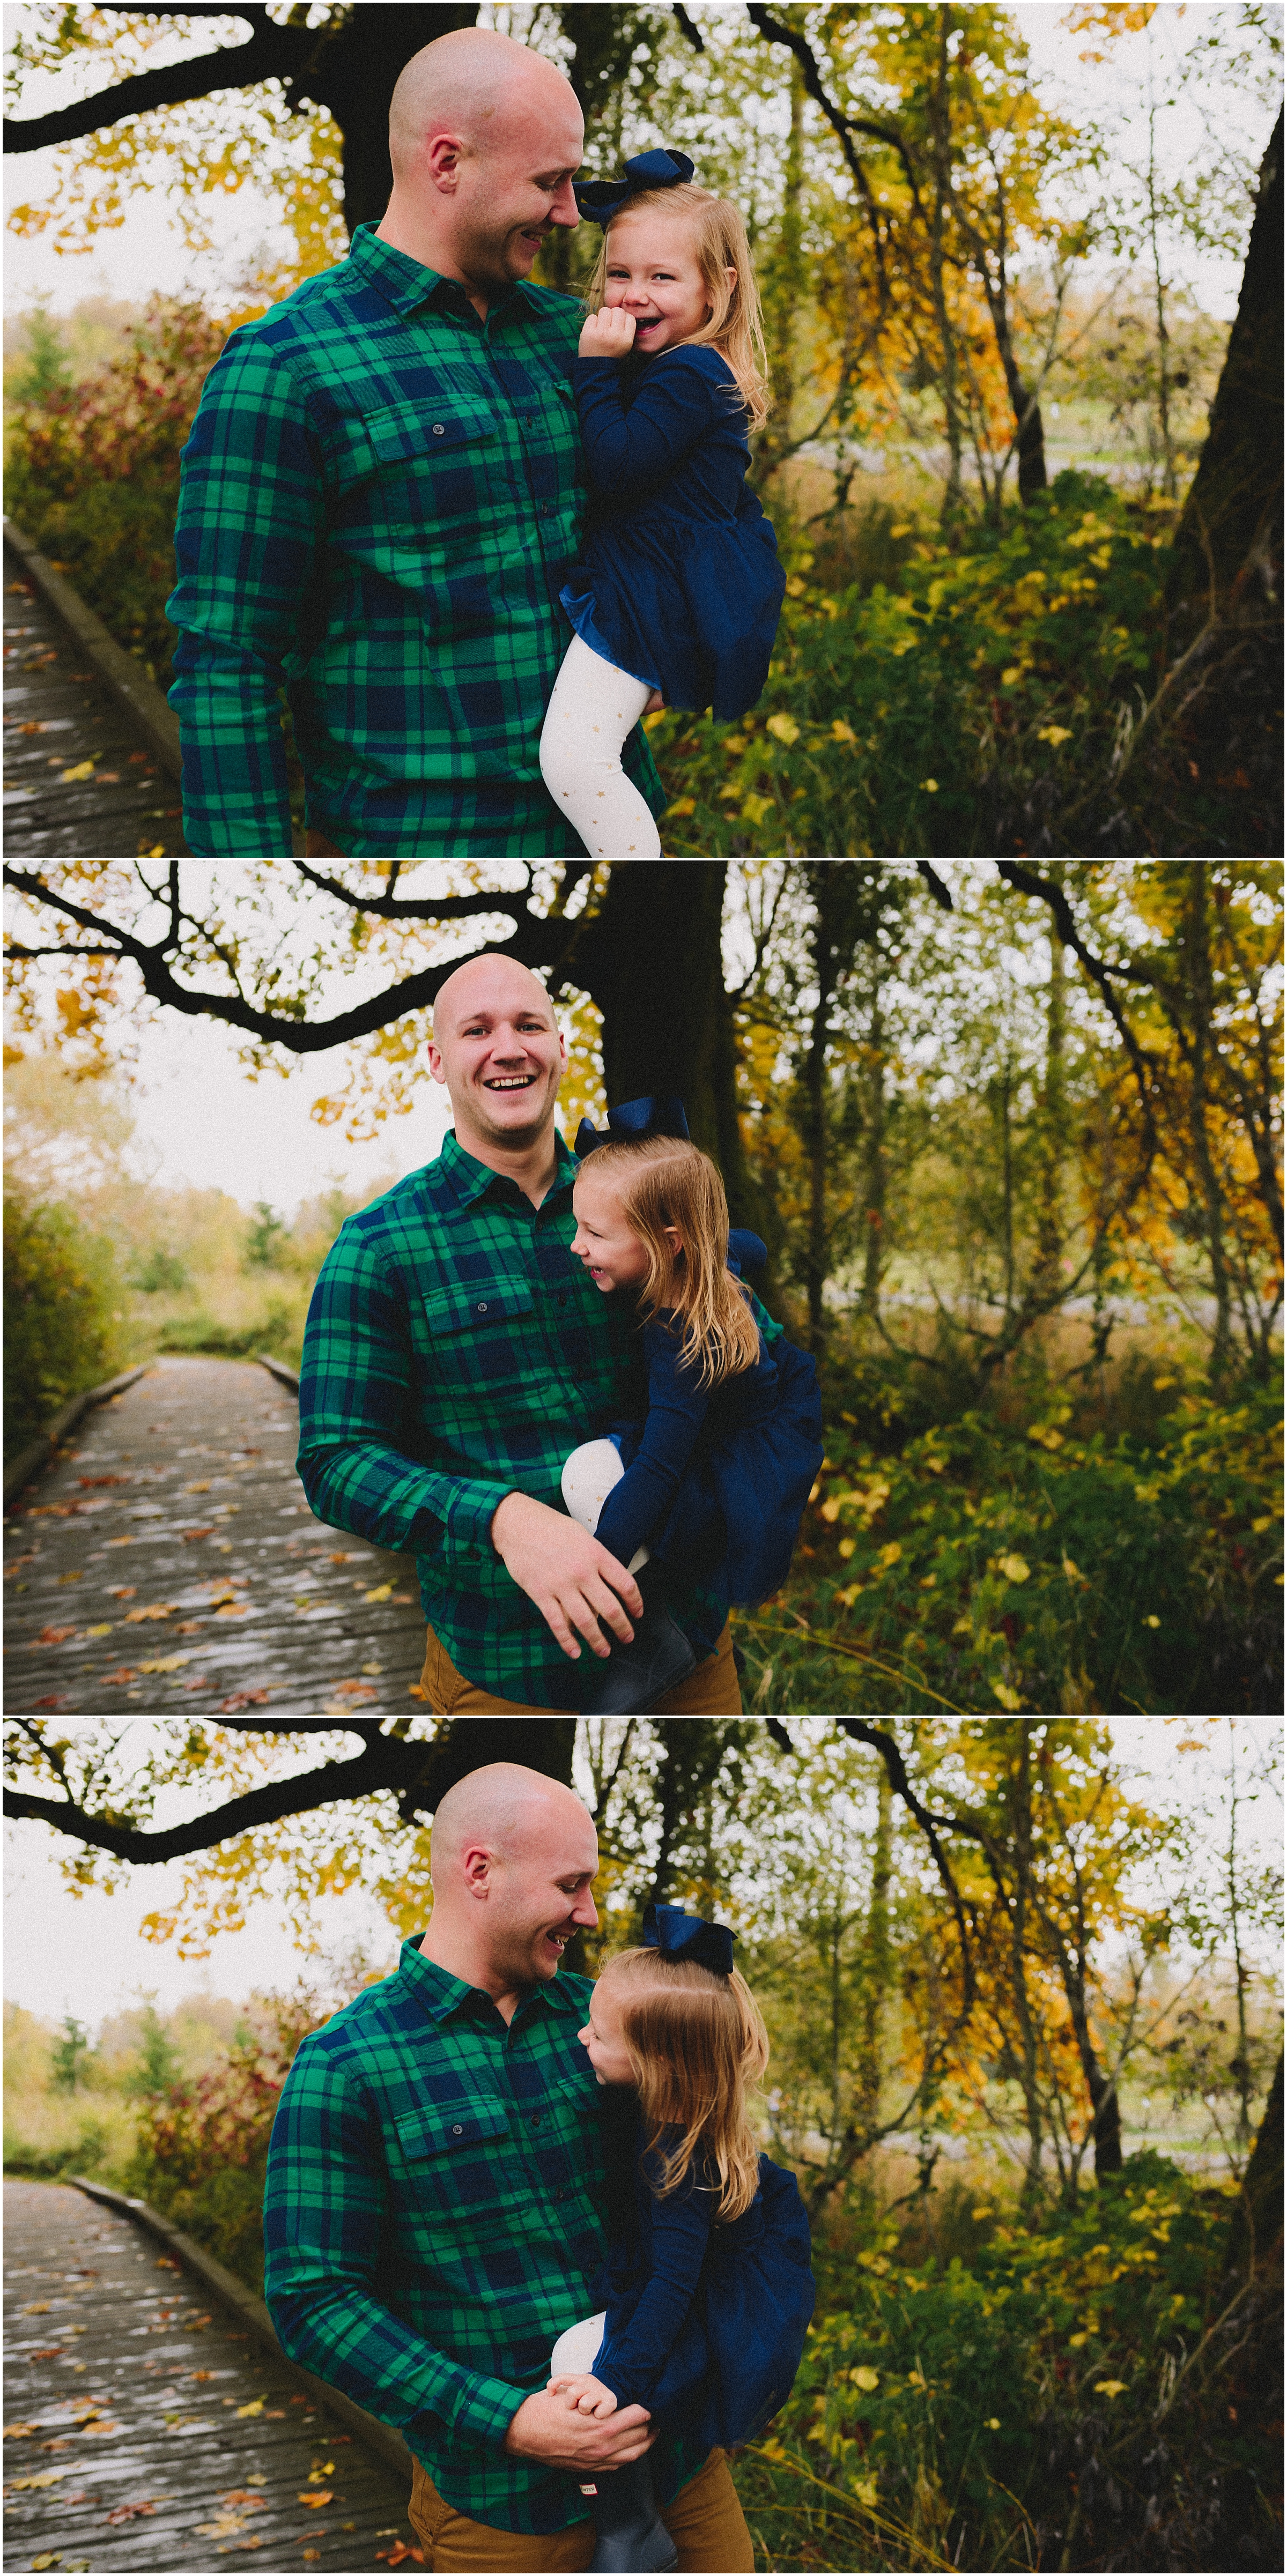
(471, 1509)
(485, 2408)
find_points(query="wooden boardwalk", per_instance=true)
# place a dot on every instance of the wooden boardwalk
(145, 2429)
(169, 1562)
(80, 780)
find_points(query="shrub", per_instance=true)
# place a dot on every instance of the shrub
(94, 473)
(1056, 2403)
(984, 1568)
(965, 710)
(202, 2147)
(61, 1286)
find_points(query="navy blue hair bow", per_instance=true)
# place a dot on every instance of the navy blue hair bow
(688, 1936)
(600, 199)
(632, 1121)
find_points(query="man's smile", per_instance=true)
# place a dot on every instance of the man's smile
(508, 1081)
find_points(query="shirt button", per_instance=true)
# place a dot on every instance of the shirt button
(457, 2131)
(439, 429)
(483, 1308)
(535, 2118)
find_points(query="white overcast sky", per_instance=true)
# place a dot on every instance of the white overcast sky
(146, 254)
(86, 1954)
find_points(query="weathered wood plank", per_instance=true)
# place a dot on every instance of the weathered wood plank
(180, 1501)
(60, 714)
(174, 2441)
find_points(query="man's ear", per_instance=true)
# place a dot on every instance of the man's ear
(443, 159)
(476, 1864)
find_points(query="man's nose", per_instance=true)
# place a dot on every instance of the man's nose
(563, 206)
(583, 1912)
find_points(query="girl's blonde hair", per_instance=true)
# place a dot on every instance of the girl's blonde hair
(736, 325)
(697, 2045)
(664, 1181)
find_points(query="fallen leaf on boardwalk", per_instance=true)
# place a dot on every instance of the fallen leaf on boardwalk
(197, 1489)
(399, 2554)
(47, 2351)
(166, 2263)
(55, 1636)
(379, 1592)
(83, 768)
(104, 1629)
(232, 1610)
(36, 2308)
(274, 2415)
(323, 2469)
(256, 2407)
(151, 1610)
(404, 1597)
(198, 1533)
(102, 1480)
(43, 2478)
(244, 2495)
(165, 1663)
(186, 1628)
(130, 2512)
(307, 2554)
(117, 1680)
(326, 2496)
(245, 1699)
(414, 1691)
(122, 1591)
(19, 2432)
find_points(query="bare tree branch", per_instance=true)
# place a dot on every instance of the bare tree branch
(274, 52)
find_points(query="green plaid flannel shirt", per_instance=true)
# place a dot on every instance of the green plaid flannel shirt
(382, 497)
(434, 2216)
(455, 1353)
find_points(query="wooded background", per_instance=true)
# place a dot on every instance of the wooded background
(1021, 1986)
(985, 648)
(1012, 1136)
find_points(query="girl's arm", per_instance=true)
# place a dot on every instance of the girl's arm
(631, 2363)
(639, 447)
(677, 1408)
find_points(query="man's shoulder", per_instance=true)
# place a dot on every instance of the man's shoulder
(396, 1222)
(565, 311)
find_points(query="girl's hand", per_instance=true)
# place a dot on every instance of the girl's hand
(585, 2394)
(607, 334)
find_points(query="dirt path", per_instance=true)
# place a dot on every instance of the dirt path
(169, 1562)
(60, 718)
(145, 2429)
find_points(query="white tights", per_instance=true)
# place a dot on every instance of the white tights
(593, 708)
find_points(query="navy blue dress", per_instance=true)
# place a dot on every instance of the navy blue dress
(679, 581)
(706, 2318)
(716, 1482)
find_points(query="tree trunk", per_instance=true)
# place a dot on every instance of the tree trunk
(1054, 1110)
(1256, 2228)
(875, 1175)
(1021, 1821)
(352, 74)
(1236, 493)
(877, 1961)
(653, 962)
(1197, 958)
(941, 128)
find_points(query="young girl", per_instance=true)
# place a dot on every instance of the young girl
(712, 1484)
(707, 2286)
(680, 588)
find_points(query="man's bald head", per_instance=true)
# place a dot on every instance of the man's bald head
(502, 1806)
(514, 1856)
(496, 1045)
(473, 84)
(489, 982)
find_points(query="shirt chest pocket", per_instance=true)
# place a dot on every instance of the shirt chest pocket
(481, 1337)
(453, 2157)
(434, 472)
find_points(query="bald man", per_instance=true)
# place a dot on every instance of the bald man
(435, 2207)
(382, 497)
(455, 1354)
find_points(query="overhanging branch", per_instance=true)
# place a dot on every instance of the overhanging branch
(274, 52)
(535, 943)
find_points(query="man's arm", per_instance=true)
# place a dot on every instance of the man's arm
(245, 542)
(356, 1392)
(324, 2207)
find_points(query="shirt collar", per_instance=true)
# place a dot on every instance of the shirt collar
(471, 1179)
(441, 1994)
(407, 284)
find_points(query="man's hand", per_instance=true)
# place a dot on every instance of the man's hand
(607, 333)
(545, 2429)
(566, 1573)
(582, 2392)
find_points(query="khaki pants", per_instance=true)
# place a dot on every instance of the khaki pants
(711, 1691)
(705, 2521)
